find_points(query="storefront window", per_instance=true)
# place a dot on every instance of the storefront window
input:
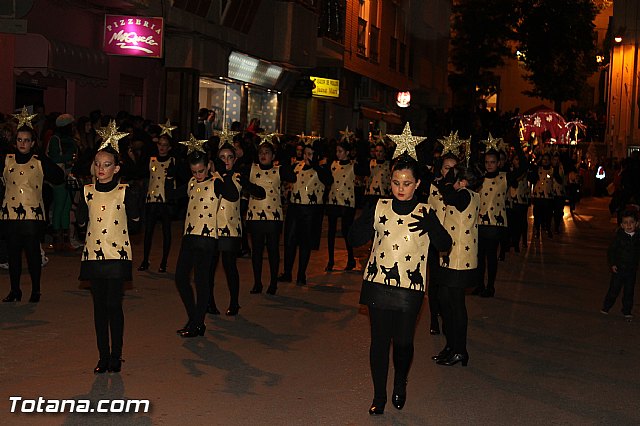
(263, 105)
(222, 98)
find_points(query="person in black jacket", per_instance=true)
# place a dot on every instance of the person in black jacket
(394, 279)
(623, 256)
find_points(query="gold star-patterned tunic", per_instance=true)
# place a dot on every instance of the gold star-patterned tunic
(521, 193)
(157, 178)
(436, 201)
(229, 220)
(543, 188)
(493, 196)
(107, 233)
(379, 179)
(398, 256)
(463, 228)
(203, 204)
(307, 189)
(342, 192)
(558, 188)
(23, 193)
(270, 207)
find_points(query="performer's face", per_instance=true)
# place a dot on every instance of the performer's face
(265, 156)
(24, 142)
(491, 163)
(164, 146)
(200, 171)
(341, 153)
(403, 184)
(447, 164)
(105, 166)
(228, 157)
(380, 153)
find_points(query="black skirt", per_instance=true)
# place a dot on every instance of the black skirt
(113, 269)
(390, 297)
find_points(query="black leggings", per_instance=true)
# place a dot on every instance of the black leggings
(108, 316)
(488, 240)
(519, 224)
(298, 227)
(196, 255)
(346, 214)
(387, 325)
(263, 233)
(230, 266)
(16, 243)
(157, 212)
(454, 318)
(542, 212)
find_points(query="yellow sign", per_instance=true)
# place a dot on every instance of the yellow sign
(325, 87)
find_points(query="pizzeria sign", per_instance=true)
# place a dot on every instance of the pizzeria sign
(133, 36)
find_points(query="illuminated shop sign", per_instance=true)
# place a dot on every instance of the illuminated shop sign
(253, 70)
(325, 87)
(133, 36)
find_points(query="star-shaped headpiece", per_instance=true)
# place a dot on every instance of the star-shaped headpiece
(24, 118)
(225, 135)
(345, 134)
(268, 137)
(194, 144)
(307, 139)
(110, 136)
(451, 143)
(492, 143)
(167, 128)
(406, 142)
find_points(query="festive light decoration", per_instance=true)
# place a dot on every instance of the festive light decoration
(24, 118)
(194, 144)
(406, 142)
(110, 136)
(167, 128)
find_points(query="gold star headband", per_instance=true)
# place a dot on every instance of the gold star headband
(307, 140)
(194, 144)
(406, 142)
(268, 137)
(345, 134)
(451, 143)
(492, 143)
(24, 118)
(110, 136)
(225, 135)
(167, 128)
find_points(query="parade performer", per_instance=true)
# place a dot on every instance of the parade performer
(304, 207)
(106, 259)
(519, 198)
(162, 173)
(559, 192)
(379, 181)
(265, 216)
(229, 225)
(394, 279)
(542, 177)
(23, 217)
(341, 202)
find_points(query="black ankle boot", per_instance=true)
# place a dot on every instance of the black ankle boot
(13, 296)
(194, 331)
(102, 367)
(115, 364)
(163, 267)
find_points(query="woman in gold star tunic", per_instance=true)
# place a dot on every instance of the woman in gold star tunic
(106, 258)
(394, 279)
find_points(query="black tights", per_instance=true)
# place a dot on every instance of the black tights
(346, 214)
(387, 325)
(230, 266)
(298, 227)
(265, 232)
(542, 213)
(108, 316)
(454, 318)
(16, 243)
(488, 242)
(197, 256)
(157, 212)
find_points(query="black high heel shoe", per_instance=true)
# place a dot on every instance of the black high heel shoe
(183, 329)
(102, 367)
(13, 296)
(376, 410)
(35, 297)
(194, 331)
(398, 400)
(257, 289)
(162, 268)
(284, 278)
(454, 359)
(232, 311)
(143, 266)
(444, 354)
(329, 267)
(351, 265)
(115, 364)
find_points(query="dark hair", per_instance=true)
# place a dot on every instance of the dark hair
(227, 145)
(406, 162)
(34, 135)
(629, 212)
(268, 145)
(494, 153)
(465, 173)
(198, 157)
(110, 150)
(344, 144)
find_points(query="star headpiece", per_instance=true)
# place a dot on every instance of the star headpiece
(451, 143)
(167, 128)
(24, 118)
(194, 144)
(225, 135)
(307, 139)
(110, 136)
(345, 134)
(268, 137)
(492, 143)
(406, 142)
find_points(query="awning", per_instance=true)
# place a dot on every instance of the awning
(37, 54)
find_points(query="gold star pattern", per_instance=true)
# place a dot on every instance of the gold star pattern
(194, 144)
(307, 140)
(24, 118)
(492, 143)
(406, 142)
(167, 128)
(110, 136)
(451, 143)
(225, 135)
(268, 137)
(345, 134)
